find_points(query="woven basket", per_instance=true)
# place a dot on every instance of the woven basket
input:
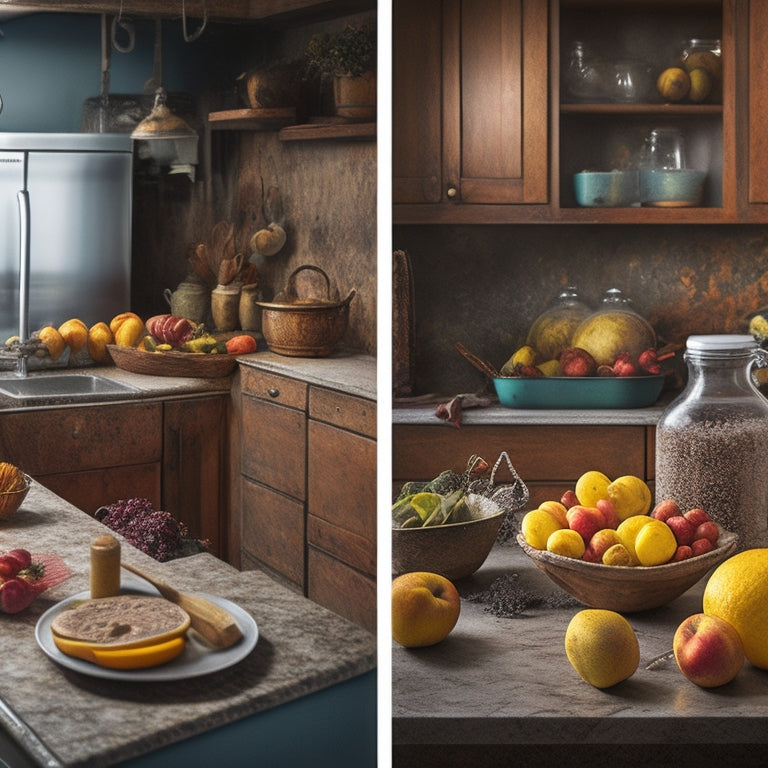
(11, 501)
(185, 364)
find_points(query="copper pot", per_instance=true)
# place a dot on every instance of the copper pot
(299, 327)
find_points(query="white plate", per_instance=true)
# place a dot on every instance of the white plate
(196, 659)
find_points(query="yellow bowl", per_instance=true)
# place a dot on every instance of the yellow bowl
(623, 588)
(11, 501)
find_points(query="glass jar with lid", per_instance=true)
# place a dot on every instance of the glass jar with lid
(706, 54)
(584, 78)
(710, 441)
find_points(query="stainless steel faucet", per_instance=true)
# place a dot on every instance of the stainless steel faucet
(24, 259)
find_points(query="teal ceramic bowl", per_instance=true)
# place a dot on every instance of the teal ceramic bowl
(612, 189)
(583, 392)
(672, 189)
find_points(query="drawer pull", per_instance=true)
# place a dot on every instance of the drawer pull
(272, 392)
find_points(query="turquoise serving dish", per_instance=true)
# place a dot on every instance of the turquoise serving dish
(585, 392)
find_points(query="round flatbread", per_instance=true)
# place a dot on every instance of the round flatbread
(121, 619)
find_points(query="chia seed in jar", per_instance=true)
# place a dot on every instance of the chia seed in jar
(710, 440)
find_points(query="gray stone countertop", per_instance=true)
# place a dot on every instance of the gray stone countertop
(347, 371)
(507, 681)
(89, 721)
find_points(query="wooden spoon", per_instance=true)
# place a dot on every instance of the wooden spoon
(211, 621)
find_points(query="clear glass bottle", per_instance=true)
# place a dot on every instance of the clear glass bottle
(710, 441)
(550, 333)
(584, 76)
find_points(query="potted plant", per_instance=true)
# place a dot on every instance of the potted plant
(348, 59)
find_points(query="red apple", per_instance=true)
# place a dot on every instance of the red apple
(425, 608)
(697, 516)
(707, 530)
(701, 546)
(708, 650)
(599, 543)
(586, 520)
(569, 499)
(609, 513)
(683, 529)
(683, 552)
(666, 509)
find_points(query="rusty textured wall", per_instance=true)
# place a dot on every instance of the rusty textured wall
(485, 285)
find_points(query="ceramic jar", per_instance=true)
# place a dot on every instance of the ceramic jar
(225, 306)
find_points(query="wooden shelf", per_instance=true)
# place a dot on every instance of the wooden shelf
(251, 119)
(319, 131)
(641, 109)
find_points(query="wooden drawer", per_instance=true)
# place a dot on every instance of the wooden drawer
(351, 548)
(273, 387)
(356, 414)
(274, 530)
(274, 446)
(342, 589)
(342, 479)
(76, 439)
(540, 453)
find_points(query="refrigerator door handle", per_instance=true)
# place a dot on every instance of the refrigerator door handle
(24, 260)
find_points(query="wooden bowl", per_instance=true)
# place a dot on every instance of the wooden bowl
(183, 364)
(623, 588)
(454, 550)
(11, 501)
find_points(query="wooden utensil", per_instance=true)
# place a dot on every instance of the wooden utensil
(209, 620)
(481, 365)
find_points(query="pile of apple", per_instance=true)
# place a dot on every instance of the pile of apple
(596, 535)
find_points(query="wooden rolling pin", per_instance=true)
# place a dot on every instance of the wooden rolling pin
(211, 621)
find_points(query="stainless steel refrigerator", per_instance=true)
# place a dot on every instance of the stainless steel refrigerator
(78, 192)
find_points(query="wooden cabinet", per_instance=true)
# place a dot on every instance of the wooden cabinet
(549, 458)
(308, 490)
(466, 100)
(171, 453)
(469, 104)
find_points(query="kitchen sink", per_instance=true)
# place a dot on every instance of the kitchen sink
(68, 385)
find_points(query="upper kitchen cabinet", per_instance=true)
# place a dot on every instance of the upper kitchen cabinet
(469, 107)
(754, 59)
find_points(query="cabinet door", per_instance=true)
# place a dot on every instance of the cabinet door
(416, 101)
(495, 101)
(758, 102)
(194, 462)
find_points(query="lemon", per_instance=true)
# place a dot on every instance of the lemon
(602, 647)
(655, 543)
(701, 84)
(550, 368)
(99, 336)
(526, 355)
(591, 487)
(618, 554)
(737, 591)
(567, 543)
(75, 334)
(630, 495)
(673, 83)
(425, 504)
(628, 530)
(537, 526)
(53, 340)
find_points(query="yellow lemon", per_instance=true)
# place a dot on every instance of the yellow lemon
(425, 504)
(737, 591)
(567, 543)
(628, 530)
(550, 368)
(75, 334)
(673, 83)
(526, 355)
(591, 487)
(53, 340)
(537, 526)
(557, 510)
(630, 495)
(701, 85)
(602, 647)
(618, 554)
(655, 543)
(99, 336)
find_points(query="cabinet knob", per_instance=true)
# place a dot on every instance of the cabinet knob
(452, 192)
(272, 392)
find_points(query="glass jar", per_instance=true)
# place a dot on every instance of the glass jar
(550, 333)
(710, 441)
(707, 54)
(664, 150)
(584, 77)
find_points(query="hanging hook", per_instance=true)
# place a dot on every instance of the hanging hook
(127, 27)
(190, 38)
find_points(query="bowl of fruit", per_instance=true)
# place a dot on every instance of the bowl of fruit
(616, 552)
(14, 487)
(449, 524)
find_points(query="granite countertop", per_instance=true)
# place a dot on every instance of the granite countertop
(497, 688)
(347, 371)
(88, 721)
